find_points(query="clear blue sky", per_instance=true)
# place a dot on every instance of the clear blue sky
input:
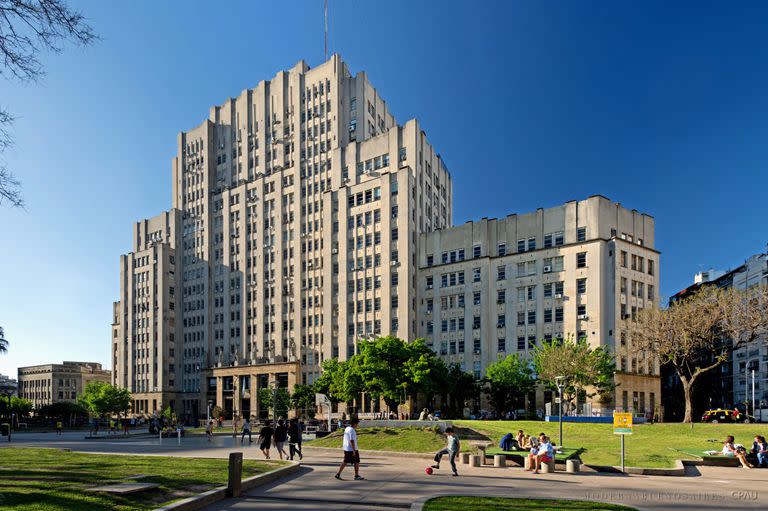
(661, 107)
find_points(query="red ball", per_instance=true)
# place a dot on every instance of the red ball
(429, 471)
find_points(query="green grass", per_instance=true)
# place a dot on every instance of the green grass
(650, 445)
(53, 480)
(505, 504)
(409, 439)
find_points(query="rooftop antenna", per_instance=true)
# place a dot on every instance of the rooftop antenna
(326, 28)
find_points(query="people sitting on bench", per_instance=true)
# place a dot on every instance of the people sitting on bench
(736, 450)
(508, 443)
(541, 453)
(760, 449)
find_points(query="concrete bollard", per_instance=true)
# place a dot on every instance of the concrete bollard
(527, 463)
(465, 458)
(499, 461)
(234, 481)
(572, 466)
(178, 435)
(474, 460)
(548, 467)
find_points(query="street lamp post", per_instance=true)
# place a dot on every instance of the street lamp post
(746, 385)
(560, 385)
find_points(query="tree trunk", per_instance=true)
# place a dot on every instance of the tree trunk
(687, 395)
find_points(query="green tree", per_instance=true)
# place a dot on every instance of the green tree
(383, 366)
(507, 378)
(587, 371)
(458, 387)
(303, 400)
(277, 400)
(104, 399)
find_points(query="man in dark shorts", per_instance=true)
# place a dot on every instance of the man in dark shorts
(351, 454)
(265, 438)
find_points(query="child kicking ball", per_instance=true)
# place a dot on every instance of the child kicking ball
(452, 449)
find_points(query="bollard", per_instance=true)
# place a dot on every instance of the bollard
(548, 467)
(178, 435)
(500, 460)
(465, 458)
(235, 474)
(474, 460)
(572, 466)
(527, 464)
(161, 436)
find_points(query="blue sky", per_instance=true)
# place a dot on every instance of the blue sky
(660, 107)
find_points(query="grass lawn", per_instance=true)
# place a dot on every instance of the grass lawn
(53, 480)
(504, 504)
(651, 445)
(409, 439)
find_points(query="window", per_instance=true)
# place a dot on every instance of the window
(476, 322)
(429, 282)
(548, 290)
(501, 321)
(502, 249)
(531, 244)
(521, 245)
(581, 310)
(532, 317)
(651, 269)
(623, 285)
(581, 286)
(476, 298)
(547, 315)
(559, 314)
(476, 275)
(581, 260)
(623, 259)
(521, 343)
(650, 292)
(548, 241)
(640, 264)
(501, 273)
(581, 234)
(531, 292)
(520, 318)
(531, 342)
(559, 238)
(430, 260)
(476, 251)
(520, 294)
(521, 270)
(501, 296)
(557, 263)
(502, 345)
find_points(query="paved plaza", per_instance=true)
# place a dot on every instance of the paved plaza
(394, 483)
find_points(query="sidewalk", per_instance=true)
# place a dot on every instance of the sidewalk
(393, 483)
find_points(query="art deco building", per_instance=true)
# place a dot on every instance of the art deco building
(297, 209)
(493, 287)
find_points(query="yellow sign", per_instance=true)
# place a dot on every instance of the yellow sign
(622, 423)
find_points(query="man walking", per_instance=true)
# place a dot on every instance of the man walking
(294, 438)
(351, 453)
(246, 429)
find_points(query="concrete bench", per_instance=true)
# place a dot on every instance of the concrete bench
(499, 461)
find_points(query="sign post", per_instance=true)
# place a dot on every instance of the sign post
(622, 425)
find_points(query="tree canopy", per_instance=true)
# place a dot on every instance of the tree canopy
(508, 378)
(102, 399)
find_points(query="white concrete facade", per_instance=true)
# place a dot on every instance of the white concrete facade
(498, 286)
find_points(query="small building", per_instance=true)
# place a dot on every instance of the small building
(51, 383)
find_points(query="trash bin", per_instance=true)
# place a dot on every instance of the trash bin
(5, 429)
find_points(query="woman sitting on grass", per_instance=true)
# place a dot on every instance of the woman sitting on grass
(735, 450)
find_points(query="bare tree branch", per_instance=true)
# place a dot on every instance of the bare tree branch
(27, 28)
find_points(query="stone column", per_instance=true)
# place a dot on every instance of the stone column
(254, 395)
(237, 399)
(219, 392)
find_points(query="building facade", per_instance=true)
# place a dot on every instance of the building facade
(50, 383)
(494, 287)
(296, 211)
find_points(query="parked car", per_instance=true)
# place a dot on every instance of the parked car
(723, 415)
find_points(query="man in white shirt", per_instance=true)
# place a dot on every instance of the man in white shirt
(351, 454)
